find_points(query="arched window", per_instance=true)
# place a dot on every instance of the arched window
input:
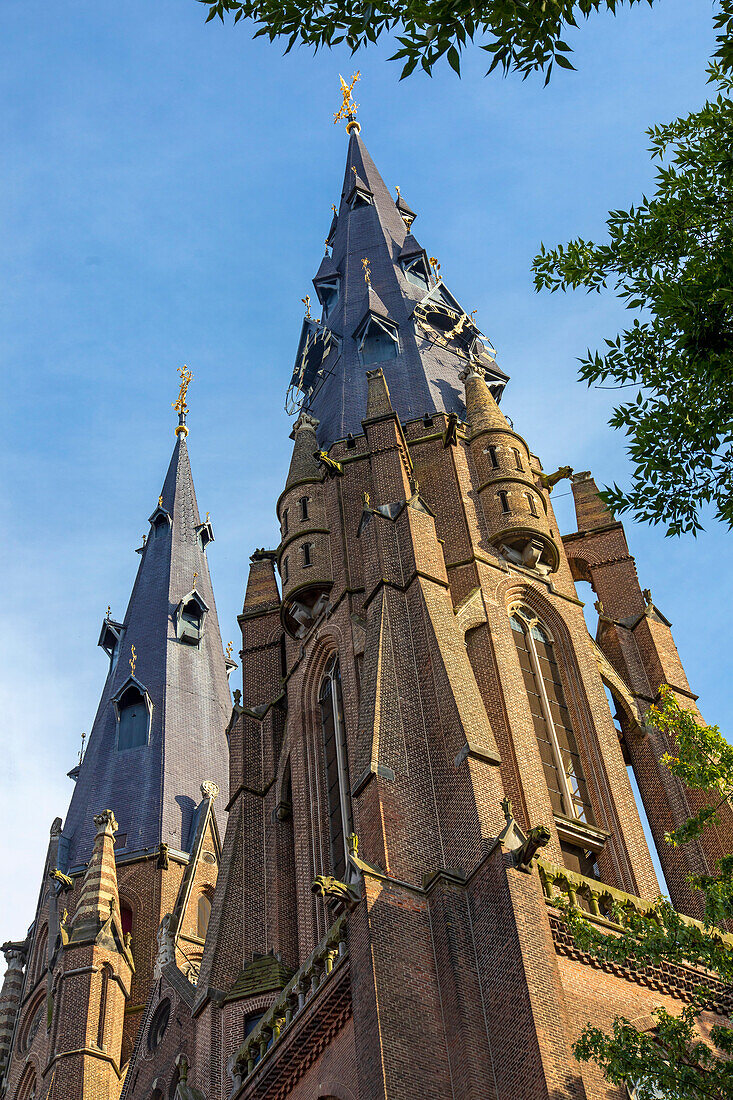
(125, 917)
(551, 718)
(203, 915)
(133, 719)
(337, 766)
(103, 997)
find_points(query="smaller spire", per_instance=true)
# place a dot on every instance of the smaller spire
(303, 465)
(180, 403)
(99, 899)
(482, 411)
(378, 399)
(348, 108)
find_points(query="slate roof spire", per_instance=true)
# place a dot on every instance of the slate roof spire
(423, 376)
(178, 676)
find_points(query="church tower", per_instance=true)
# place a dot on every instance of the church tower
(130, 876)
(423, 761)
(423, 758)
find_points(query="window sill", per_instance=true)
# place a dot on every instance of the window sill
(575, 831)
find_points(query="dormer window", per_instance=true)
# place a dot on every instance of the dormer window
(360, 197)
(160, 522)
(109, 638)
(133, 708)
(416, 271)
(189, 616)
(377, 340)
(328, 294)
(204, 532)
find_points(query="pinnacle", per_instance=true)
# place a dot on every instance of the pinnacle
(99, 898)
(303, 465)
(378, 400)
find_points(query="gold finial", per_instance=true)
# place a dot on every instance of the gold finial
(230, 647)
(109, 610)
(307, 303)
(180, 403)
(397, 189)
(195, 578)
(348, 108)
(435, 266)
(81, 750)
(365, 496)
(207, 520)
(160, 501)
(133, 660)
(367, 273)
(333, 207)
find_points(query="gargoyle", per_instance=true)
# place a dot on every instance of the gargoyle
(328, 887)
(63, 880)
(538, 837)
(330, 465)
(548, 480)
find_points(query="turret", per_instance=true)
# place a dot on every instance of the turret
(514, 507)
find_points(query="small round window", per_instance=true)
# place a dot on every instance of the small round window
(159, 1025)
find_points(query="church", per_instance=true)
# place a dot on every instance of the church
(342, 880)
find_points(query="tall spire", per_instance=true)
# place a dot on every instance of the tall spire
(160, 726)
(383, 305)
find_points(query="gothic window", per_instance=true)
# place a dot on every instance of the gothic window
(328, 294)
(416, 271)
(377, 340)
(133, 719)
(492, 456)
(285, 520)
(551, 718)
(517, 458)
(303, 502)
(531, 503)
(338, 790)
(307, 554)
(285, 571)
(203, 914)
(503, 500)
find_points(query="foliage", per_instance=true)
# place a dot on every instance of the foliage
(671, 1059)
(670, 258)
(520, 35)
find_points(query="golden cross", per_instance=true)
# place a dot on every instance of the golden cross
(133, 660)
(230, 647)
(307, 303)
(186, 378)
(348, 108)
(367, 273)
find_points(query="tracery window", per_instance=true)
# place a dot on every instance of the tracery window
(551, 717)
(338, 790)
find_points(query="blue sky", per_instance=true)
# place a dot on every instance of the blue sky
(165, 193)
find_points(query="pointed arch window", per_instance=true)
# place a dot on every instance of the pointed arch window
(338, 790)
(377, 341)
(551, 718)
(133, 708)
(203, 915)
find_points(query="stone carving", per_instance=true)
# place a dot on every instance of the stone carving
(62, 880)
(328, 887)
(538, 837)
(106, 822)
(166, 947)
(162, 862)
(209, 789)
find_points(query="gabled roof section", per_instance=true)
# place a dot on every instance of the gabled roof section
(423, 377)
(186, 687)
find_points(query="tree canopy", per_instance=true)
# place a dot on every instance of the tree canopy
(519, 35)
(670, 259)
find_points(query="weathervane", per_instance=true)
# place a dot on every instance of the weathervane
(133, 660)
(180, 403)
(348, 108)
(367, 273)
